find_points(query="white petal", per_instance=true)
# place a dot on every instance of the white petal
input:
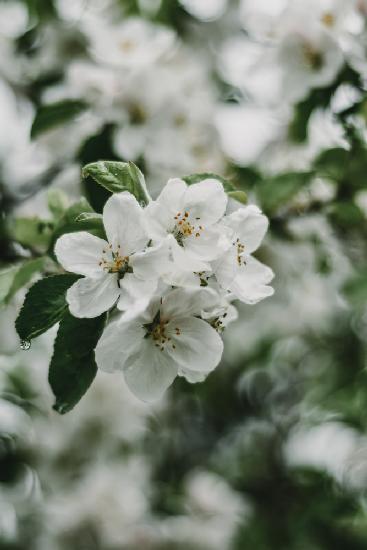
(151, 263)
(250, 285)
(186, 261)
(172, 195)
(198, 347)
(152, 372)
(250, 225)
(91, 297)
(208, 246)
(184, 302)
(124, 223)
(206, 200)
(80, 253)
(160, 214)
(135, 293)
(226, 268)
(192, 376)
(119, 342)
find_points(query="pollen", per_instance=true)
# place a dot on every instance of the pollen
(328, 19)
(185, 228)
(240, 250)
(113, 262)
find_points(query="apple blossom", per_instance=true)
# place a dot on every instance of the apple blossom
(187, 216)
(122, 270)
(169, 339)
(236, 270)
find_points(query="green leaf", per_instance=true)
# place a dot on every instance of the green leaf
(356, 289)
(44, 305)
(117, 177)
(73, 366)
(277, 191)
(57, 202)
(49, 116)
(92, 222)
(332, 163)
(17, 276)
(228, 186)
(7, 276)
(71, 222)
(31, 232)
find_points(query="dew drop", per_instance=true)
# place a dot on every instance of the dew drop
(25, 344)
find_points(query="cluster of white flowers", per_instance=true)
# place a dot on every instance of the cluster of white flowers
(289, 48)
(173, 269)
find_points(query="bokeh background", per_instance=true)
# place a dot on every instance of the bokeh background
(270, 452)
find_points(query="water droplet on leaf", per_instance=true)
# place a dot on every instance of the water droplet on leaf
(25, 344)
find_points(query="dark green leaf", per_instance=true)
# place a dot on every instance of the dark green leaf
(228, 186)
(277, 191)
(44, 305)
(49, 116)
(15, 277)
(332, 163)
(73, 365)
(117, 177)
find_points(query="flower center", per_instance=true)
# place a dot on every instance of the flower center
(328, 19)
(113, 262)
(240, 248)
(185, 228)
(157, 329)
(218, 323)
(312, 57)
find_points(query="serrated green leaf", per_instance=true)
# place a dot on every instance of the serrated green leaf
(70, 222)
(44, 305)
(228, 186)
(117, 177)
(92, 222)
(17, 276)
(73, 366)
(49, 116)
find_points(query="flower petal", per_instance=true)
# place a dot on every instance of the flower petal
(250, 225)
(160, 214)
(135, 294)
(91, 297)
(226, 268)
(183, 302)
(124, 223)
(208, 246)
(80, 253)
(151, 373)
(151, 263)
(186, 261)
(250, 285)
(206, 200)
(119, 342)
(198, 347)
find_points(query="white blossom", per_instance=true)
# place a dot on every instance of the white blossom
(237, 270)
(121, 269)
(187, 217)
(167, 340)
